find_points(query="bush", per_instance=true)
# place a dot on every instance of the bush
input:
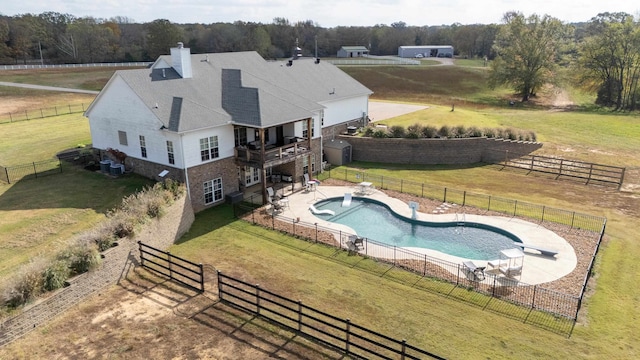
(474, 132)
(368, 131)
(55, 275)
(460, 131)
(445, 131)
(490, 133)
(429, 131)
(26, 285)
(397, 131)
(81, 257)
(511, 134)
(380, 133)
(414, 131)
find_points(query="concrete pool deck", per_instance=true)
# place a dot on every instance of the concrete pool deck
(536, 268)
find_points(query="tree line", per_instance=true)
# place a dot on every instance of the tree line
(527, 52)
(52, 38)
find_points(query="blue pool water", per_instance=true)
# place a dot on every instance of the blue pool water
(374, 220)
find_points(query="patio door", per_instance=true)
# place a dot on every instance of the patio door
(251, 176)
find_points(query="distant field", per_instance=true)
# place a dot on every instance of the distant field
(80, 78)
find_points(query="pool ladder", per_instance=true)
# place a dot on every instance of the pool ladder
(460, 219)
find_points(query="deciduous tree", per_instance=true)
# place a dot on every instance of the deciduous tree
(527, 51)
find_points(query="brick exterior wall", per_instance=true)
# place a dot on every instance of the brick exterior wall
(332, 132)
(436, 151)
(224, 168)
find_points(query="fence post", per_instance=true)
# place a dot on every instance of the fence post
(533, 301)
(422, 193)
(345, 174)
(41, 113)
(141, 254)
(56, 108)
(170, 269)
(573, 217)
(424, 273)
(35, 171)
(348, 336)
(6, 172)
(515, 207)
(445, 195)
(258, 299)
(293, 222)
(253, 215)
(201, 277)
(464, 197)
(316, 224)
(401, 183)
(220, 293)
(299, 315)
(404, 349)
(543, 208)
(382, 182)
(26, 114)
(489, 204)
(10, 118)
(60, 164)
(69, 108)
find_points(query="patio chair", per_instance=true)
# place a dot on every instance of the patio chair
(477, 272)
(305, 182)
(359, 243)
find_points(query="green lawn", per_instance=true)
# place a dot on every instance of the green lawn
(361, 289)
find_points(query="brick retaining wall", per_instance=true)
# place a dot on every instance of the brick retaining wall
(436, 151)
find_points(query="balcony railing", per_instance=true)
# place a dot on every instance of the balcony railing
(275, 155)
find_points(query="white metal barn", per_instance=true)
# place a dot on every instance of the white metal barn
(352, 51)
(425, 51)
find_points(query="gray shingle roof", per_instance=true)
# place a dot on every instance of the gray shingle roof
(241, 87)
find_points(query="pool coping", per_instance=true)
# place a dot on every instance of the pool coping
(536, 269)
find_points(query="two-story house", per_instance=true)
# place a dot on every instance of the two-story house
(225, 121)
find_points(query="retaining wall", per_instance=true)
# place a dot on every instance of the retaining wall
(437, 151)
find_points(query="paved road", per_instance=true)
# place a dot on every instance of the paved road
(383, 110)
(49, 88)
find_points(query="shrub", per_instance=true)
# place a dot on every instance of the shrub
(397, 131)
(414, 131)
(445, 131)
(490, 132)
(429, 131)
(55, 275)
(26, 285)
(511, 134)
(475, 132)
(532, 136)
(460, 131)
(81, 257)
(380, 133)
(368, 131)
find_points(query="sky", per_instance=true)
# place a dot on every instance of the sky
(325, 13)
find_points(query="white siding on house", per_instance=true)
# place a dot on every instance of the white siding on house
(340, 111)
(191, 143)
(121, 110)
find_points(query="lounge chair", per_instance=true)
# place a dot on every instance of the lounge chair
(347, 200)
(359, 243)
(477, 272)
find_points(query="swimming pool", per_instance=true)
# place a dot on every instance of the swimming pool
(376, 221)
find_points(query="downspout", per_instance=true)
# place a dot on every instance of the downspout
(186, 172)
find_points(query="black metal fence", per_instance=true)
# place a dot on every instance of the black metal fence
(336, 333)
(42, 113)
(175, 268)
(465, 198)
(535, 297)
(588, 172)
(11, 174)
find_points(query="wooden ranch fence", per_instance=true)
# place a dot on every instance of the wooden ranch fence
(175, 268)
(590, 172)
(336, 333)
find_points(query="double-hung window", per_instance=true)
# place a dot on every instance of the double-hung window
(305, 129)
(143, 146)
(213, 191)
(172, 159)
(209, 148)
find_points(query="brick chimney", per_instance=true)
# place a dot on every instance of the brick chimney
(181, 61)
